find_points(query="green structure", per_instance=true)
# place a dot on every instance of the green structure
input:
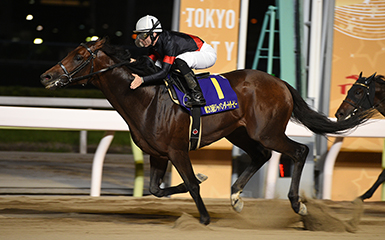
(289, 35)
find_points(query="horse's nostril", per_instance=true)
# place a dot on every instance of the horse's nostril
(45, 77)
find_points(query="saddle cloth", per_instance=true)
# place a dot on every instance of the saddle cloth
(218, 94)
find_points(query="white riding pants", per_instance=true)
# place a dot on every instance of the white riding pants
(204, 58)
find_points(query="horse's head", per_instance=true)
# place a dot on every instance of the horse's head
(82, 64)
(360, 97)
(76, 68)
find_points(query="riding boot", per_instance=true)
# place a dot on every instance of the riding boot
(194, 96)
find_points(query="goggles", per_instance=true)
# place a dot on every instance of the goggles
(142, 36)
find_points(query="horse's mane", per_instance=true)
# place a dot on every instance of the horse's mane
(116, 52)
(142, 66)
(379, 79)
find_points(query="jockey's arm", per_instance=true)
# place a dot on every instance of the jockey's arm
(153, 78)
(158, 75)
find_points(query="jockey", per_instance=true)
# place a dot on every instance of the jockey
(177, 49)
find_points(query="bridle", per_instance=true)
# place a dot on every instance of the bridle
(365, 102)
(90, 59)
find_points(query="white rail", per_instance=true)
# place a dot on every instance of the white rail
(292, 130)
(75, 119)
(374, 128)
(110, 121)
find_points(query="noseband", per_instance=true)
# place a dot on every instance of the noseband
(365, 102)
(90, 59)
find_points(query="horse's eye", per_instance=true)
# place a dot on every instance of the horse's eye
(78, 57)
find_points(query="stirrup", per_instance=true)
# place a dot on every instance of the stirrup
(194, 102)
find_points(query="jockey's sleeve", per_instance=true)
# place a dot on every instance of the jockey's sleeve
(153, 57)
(166, 66)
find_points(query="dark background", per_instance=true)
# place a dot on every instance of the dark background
(66, 23)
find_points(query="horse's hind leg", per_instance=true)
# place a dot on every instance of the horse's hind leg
(369, 193)
(259, 156)
(257, 161)
(298, 153)
(157, 172)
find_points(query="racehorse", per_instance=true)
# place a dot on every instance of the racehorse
(161, 128)
(365, 94)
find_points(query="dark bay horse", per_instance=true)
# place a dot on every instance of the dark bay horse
(365, 94)
(161, 128)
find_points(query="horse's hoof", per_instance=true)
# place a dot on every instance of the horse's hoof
(237, 202)
(205, 221)
(201, 177)
(302, 209)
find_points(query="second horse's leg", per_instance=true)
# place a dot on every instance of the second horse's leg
(380, 180)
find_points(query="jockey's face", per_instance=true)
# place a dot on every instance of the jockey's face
(145, 42)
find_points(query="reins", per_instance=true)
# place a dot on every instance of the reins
(90, 59)
(369, 96)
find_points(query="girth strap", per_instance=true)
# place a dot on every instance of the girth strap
(195, 128)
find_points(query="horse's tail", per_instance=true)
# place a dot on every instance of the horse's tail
(319, 123)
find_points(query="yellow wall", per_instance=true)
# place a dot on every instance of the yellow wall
(359, 45)
(354, 173)
(217, 23)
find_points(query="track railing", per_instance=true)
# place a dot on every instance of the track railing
(13, 116)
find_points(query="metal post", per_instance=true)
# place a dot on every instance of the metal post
(260, 41)
(383, 167)
(139, 170)
(271, 40)
(97, 166)
(242, 34)
(329, 167)
(270, 13)
(83, 142)
(175, 16)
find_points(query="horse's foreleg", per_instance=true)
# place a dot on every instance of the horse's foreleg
(370, 192)
(157, 172)
(181, 162)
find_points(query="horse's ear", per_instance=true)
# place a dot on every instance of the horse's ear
(105, 39)
(360, 75)
(369, 79)
(102, 40)
(99, 43)
(372, 76)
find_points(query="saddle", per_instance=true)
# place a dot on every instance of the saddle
(216, 90)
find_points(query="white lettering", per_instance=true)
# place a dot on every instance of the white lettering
(209, 18)
(220, 14)
(199, 17)
(215, 45)
(230, 19)
(229, 49)
(189, 17)
(206, 17)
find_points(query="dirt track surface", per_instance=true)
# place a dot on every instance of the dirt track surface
(112, 217)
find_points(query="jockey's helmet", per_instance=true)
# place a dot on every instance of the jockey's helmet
(147, 23)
